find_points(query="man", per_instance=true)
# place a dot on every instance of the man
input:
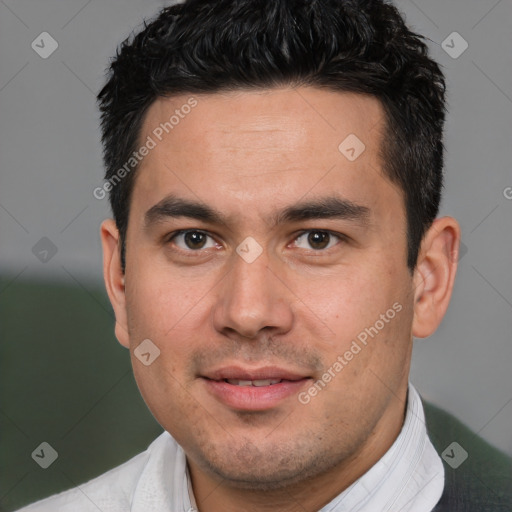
(274, 171)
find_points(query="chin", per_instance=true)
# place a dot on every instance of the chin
(274, 468)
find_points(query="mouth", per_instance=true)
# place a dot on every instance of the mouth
(256, 383)
(254, 389)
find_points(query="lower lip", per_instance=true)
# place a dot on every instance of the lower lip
(253, 398)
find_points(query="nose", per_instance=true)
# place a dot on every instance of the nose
(253, 298)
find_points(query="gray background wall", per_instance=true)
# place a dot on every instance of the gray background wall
(50, 162)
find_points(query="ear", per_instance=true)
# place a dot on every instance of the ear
(434, 275)
(114, 277)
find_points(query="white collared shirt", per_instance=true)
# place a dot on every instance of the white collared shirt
(408, 478)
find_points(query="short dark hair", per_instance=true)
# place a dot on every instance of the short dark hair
(208, 46)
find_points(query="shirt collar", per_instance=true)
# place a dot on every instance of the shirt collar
(163, 484)
(408, 478)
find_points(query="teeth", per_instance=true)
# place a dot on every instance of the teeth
(241, 382)
(256, 383)
(267, 382)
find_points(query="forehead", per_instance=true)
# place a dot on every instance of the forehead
(250, 150)
(265, 120)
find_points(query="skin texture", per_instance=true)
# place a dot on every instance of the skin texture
(249, 154)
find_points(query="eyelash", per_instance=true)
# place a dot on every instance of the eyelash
(192, 253)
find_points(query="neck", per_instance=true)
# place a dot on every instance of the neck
(213, 494)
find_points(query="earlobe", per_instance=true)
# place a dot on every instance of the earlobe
(114, 277)
(434, 275)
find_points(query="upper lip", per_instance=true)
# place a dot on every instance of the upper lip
(263, 373)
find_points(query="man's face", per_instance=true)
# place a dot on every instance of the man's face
(309, 253)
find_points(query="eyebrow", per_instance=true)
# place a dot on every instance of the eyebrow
(331, 207)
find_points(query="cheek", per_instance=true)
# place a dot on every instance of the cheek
(349, 300)
(165, 391)
(174, 314)
(160, 301)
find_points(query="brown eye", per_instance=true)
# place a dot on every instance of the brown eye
(316, 240)
(193, 240)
